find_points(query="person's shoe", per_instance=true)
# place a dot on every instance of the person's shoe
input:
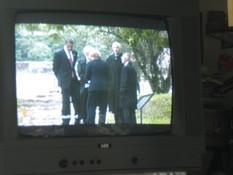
(81, 122)
(66, 120)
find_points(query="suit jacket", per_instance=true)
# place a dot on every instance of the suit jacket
(128, 87)
(114, 71)
(97, 73)
(63, 70)
(114, 75)
(82, 64)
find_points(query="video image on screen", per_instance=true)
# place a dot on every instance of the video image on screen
(139, 95)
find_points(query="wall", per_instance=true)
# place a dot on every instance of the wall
(211, 46)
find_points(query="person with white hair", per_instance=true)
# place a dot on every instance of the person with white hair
(81, 69)
(114, 74)
(128, 90)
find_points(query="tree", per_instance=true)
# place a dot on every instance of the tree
(35, 53)
(147, 47)
(38, 42)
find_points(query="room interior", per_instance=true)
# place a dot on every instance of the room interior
(217, 52)
(216, 28)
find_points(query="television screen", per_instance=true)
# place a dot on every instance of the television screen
(131, 94)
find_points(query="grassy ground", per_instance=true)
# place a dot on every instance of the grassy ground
(46, 111)
(157, 110)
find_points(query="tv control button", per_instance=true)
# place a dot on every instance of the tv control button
(63, 163)
(82, 162)
(98, 161)
(92, 162)
(134, 160)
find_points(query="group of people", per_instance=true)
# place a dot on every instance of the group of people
(91, 82)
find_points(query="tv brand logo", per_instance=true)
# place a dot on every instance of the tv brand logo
(104, 145)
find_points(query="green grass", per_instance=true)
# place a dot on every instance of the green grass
(157, 110)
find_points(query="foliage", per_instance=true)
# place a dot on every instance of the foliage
(147, 46)
(158, 110)
(39, 42)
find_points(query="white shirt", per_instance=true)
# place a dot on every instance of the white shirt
(68, 53)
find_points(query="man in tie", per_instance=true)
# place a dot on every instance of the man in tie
(114, 74)
(63, 68)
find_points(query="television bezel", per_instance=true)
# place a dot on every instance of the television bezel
(178, 151)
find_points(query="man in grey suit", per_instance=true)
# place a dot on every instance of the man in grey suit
(63, 68)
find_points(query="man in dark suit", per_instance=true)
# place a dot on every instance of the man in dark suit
(81, 70)
(63, 68)
(128, 90)
(114, 74)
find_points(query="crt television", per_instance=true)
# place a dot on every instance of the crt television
(42, 148)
